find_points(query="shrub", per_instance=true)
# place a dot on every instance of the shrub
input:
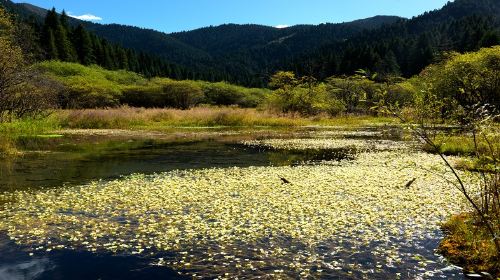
(465, 79)
(23, 92)
(95, 87)
(164, 93)
(89, 86)
(401, 94)
(305, 96)
(181, 95)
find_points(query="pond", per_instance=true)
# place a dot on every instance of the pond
(311, 203)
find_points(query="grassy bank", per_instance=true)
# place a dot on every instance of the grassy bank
(128, 118)
(159, 119)
(462, 145)
(468, 245)
(12, 131)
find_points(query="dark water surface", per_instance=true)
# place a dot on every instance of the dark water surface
(17, 264)
(77, 160)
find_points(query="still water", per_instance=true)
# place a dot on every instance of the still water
(77, 160)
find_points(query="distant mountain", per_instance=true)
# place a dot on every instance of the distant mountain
(248, 54)
(226, 49)
(407, 46)
(151, 41)
(228, 38)
(34, 10)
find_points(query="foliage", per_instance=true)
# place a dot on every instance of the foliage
(465, 79)
(249, 54)
(469, 76)
(304, 96)
(469, 245)
(353, 95)
(182, 95)
(223, 93)
(89, 86)
(23, 93)
(58, 37)
(95, 87)
(350, 91)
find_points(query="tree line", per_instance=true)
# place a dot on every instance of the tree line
(249, 55)
(56, 39)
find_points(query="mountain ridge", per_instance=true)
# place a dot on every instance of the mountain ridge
(248, 54)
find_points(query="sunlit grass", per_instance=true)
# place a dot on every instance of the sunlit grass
(11, 131)
(159, 119)
(463, 144)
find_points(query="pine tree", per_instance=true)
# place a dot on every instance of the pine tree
(55, 33)
(83, 45)
(50, 47)
(107, 61)
(64, 47)
(122, 59)
(51, 20)
(65, 22)
(388, 65)
(48, 40)
(97, 49)
(133, 60)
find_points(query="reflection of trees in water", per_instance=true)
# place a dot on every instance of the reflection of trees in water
(297, 157)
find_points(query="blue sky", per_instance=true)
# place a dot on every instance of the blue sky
(177, 15)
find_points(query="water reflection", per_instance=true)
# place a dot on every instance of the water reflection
(31, 269)
(70, 161)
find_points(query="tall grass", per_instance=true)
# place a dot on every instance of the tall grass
(128, 118)
(139, 118)
(11, 131)
(166, 119)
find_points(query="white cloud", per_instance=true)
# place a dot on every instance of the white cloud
(87, 17)
(282, 26)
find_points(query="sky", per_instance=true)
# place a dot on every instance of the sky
(178, 15)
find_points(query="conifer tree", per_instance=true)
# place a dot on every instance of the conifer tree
(122, 59)
(65, 22)
(83, 46)
(50, 47)
(47, 39)
(64, 46)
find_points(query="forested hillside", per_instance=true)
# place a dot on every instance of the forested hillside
(250, 54)
(406, 47)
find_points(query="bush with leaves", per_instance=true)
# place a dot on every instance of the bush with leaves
(448, 90)
(224, 94)
(163, 93)
(89, 86)
(301, 95)
(465, 79)
(23, 92)
(350, 91)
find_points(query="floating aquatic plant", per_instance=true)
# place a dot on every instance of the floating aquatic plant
(246, 221)
(327, 144)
